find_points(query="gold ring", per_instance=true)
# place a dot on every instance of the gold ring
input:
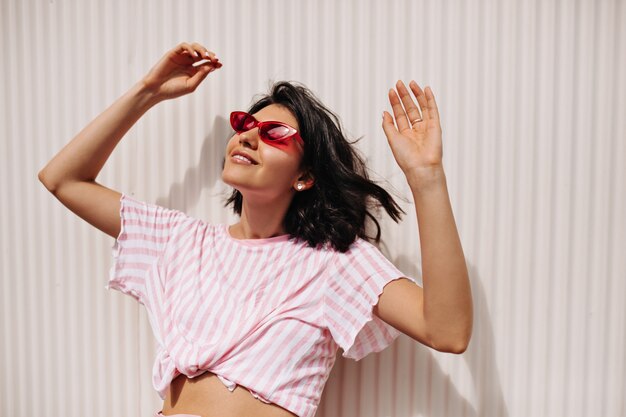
(416, 120)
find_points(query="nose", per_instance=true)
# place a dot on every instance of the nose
(249, 137)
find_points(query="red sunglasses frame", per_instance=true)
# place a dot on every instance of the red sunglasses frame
(293, 133)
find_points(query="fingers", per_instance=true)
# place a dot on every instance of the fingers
(411, 109)
(426, 100)
(406, 111)
(204, 53)
(398, 111)
(196, 52)
(421, 100)
(433, 110)
(200, 75)
(388, 127)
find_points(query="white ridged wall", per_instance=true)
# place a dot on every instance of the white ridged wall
(532, 101)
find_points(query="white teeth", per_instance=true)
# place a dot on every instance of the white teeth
(242, 158)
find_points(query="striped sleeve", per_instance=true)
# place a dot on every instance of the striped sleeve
(355, 282)
(145, 230)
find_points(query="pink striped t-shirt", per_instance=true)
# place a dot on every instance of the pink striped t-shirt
(265, 314)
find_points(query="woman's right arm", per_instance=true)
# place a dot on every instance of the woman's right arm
(71, 174)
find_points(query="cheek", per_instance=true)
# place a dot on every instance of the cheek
(230, 145)
(287, 150)
(282, 157)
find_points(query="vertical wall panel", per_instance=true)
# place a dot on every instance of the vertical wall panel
(532, 102)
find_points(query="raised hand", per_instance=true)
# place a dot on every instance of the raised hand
(175, 74)
(415, 139)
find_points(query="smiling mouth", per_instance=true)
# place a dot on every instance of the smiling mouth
(240, 159)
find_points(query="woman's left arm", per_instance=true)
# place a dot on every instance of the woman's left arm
(416, 144)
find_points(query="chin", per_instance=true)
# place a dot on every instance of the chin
(229, 180)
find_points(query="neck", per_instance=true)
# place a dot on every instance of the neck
(261, 220)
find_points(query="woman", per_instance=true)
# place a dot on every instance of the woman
(249, 317)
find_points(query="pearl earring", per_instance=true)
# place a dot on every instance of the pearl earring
(300, 186)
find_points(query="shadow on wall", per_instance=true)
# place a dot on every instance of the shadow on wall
(426, 375)
(185, 194)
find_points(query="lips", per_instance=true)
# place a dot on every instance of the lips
(245, 155)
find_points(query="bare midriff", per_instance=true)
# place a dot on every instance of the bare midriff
(207, 396)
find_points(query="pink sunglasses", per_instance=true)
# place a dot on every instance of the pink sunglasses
(269, 131)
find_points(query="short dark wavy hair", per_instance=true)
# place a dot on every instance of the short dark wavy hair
(335, 209)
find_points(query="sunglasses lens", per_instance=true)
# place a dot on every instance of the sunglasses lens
(275, 131)
(241, 121)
